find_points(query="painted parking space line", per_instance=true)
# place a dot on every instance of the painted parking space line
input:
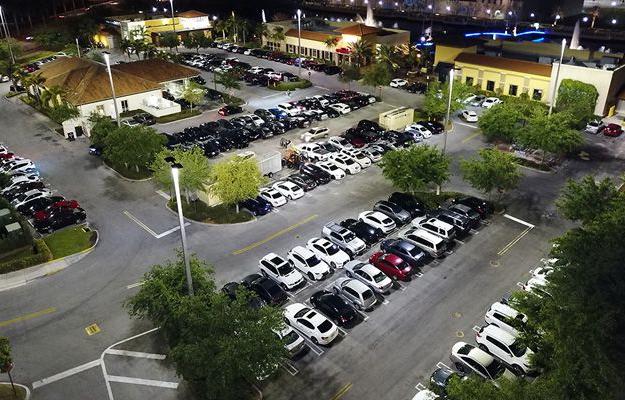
(27, 317)
(275, 235)
(419, 386)
(468, 126)
(476, 328)
(441, 364)
(272, 95)
(143, 382)
(458, 241)
(341, 392)
(134, 285)
(65, 374)
(514, 241)
(300, 290)
(419, 274)
(364, 315)
(289, 367)
(148, 229)
(342, 332)
(520, 221)
(135, 354)
(164, 195)
(385, 302)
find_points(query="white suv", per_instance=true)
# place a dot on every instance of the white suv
(328, 252)
(346, 163)
(315, 133)
(289, 108)
(469, 359)
(506, 347)
(378, 220)
(308, 263)
(313, 151)
(331, 168)
(276, 267)
(505, 317)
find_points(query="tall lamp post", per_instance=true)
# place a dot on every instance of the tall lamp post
(175, 172)
(299, 42)
(7, 34)
(447, 117)
(173, 21)
(554, 94)
(107, 60)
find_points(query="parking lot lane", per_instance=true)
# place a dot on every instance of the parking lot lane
(275, 235)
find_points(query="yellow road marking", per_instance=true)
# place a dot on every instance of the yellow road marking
(26, 317)
(275, 235)
(471, 136)
(92, 329)
(514, 241)
(342, 391)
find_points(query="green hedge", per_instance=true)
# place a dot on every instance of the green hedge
(188, 113)
(41, 255)
(284, 86)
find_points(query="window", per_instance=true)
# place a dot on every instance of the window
(490, 85)
(537, 94)
(512, 90)
(351, 292)
(306, 324)
(124, 105)
(497, 343)
(469, 81)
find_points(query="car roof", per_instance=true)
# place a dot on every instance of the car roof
(356, 285)
(302, 251)
(499, 334)
(504, 309)
(425, 235)
(393, 258)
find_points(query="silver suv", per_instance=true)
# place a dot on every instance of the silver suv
(344, 239)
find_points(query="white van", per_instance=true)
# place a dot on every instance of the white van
(505, 317)
(432, 244)
(439, 228)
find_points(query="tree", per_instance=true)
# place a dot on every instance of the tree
(169, 40)
(52, 39)
(493, 170)
(587, 199)
(578, 99)
(194, 174)
(278, 34)
(377, 75)
(101, 126)
(350, 73)
(476, 388)
(500, 122)
(331, 42)
(193, 93)
(361, 50)
(261, 31)
(84, 29)
(33, 83)
(196, 41)
(437, 98)
(388, 55)
(125, 45)
(228, 80)
(412, 169)
(136, 146)
(218, 345)
(236, 179)
(551, 134)
(53, 97)
(6, 361)
(5, 180)
(222, 26)
(63, 112)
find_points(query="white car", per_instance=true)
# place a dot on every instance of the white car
(469, 359)
(17, 166)
(308, 263)
(258, 121)
(276, 268)
(313, 151)
(373, 152)
(293, 342)
(369, 275)
(18, 180)
(322, 100)
(474, 100)
(311, 323)
(397, 82)
(289, 109)
(289, 190)
(255, 70)
(469, 116)
(341, 108)
(315, 133)
(505, 317)
(377, 220)
(361, 158)
(418, 129)
(356, 292)
(506, 347)
(30, 195)
(594, 126)
(536, 286)
(275, 198)
(328, 252)
(542, 272)
(331, 168)
(346, 163)
(340, 142)
(371, 99)
(490, 101)
(274, 75)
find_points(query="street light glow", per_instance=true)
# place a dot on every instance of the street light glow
(585, 19)
(613, 21)
(532, 15)
(558, 16)
(448, 8)
(509, 12)
(430, 6)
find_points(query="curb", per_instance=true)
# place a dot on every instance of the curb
(182, 119)
(16, 279)
(26, 389)
(191, 221)
(535, 169)
(122, 176)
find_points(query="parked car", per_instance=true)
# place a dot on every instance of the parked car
(267, 289)
(313, 151)
(408, 251)
(332, 70)
(229, 110)
(368, 233)
(393, 211)
(356, 292)
(440, 378)
(278, 269)
(308, 263)
(409, 203)
(256, 207)
(38, 204)
(232, 290)
(397, 82)
(328, 252)
(392, 265)
(334, 307)
(437, 227)
(320, 176)
(469, 359)
(462, 224)
(275, 198)
(369, 275)
(66, 217)
(310, 323)
(468, 115)
(594, 126)
(346, 163)
(467, 212)
(144, 118)
(482, 207)
(490, 101)
(506, 347)
(474, 100)
(341, 108)
(289, 190)
(434, 245)
(418, 131)
(343, 238)
(612, 130)
(293, 342)
(505, 317)
(331, 168)
(378, 220)
(315, 133)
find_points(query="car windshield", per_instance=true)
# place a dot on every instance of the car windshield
(301, 312)
(324, 326)
(378, 277)
(495, 369)
(395, 207)
(332, 167)
(332, 250)
(275, 195)
(367, 294)
(349, 237)
(518, 349)
(312, 261)
(285, 269)
(290, 338)
(348, 161)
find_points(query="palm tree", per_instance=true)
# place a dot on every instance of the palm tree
(331, 42)
(245, 29)
(34, 81)
(223, 27)
(261, 31)
(361, 50)
(278, 34)
(125, 45)
(388, 55)
(53, 97)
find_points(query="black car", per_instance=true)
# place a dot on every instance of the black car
(229, 110)
(266, 289)
(332, 70)
(468, 212)
(41, 203)
(304, 181)
(335, 308)
(409, 203)
(238, 141)
(440, 379)
(69, 216)
(211, 148)
(367, 125)
(416, 87)
(231, 290)
(255, 207)
(265, 115)
(22, 188)
(275, 127)
(212, 94)
(332, 113)
(404, 249)
(434, 126)
(367, 233)
(95, 150)
(144, 118)
(460, 222)
(199, 80)
(320, 176)
(482, 207)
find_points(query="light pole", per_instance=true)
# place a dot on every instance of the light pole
(175, 172)
(7, 34)
(299, 42)
(173, 21)
(77, 47)
(447, 117)
(554, 95)
(107, 60)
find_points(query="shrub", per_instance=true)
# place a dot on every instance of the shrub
(41, 255)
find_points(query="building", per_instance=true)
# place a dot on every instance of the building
(511, 65)
(151, 27)
(330, 41)
(138, 86)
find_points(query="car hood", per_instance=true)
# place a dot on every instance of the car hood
(291, 278)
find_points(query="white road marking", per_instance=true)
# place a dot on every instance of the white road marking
(342, 332)
(134, 285)
(441, 364)
(458, 241)
(272, 95)
(419, 274)
(476, 329)
(364, 316)
(144, 382)
(520, 221)
(290, 368)
(65, 374)
(163, 194)
(467, 125)
(419, 386)
(136, 354)
(322, 88)
(385, 302)
(148, 229)
(170, 231)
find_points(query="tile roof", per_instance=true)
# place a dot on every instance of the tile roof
(87, 81)
(192, 14)
(506, 64)
(311, 35)
(359, 30)
(157, 70)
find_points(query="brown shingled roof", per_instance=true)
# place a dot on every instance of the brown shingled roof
(311, 35)
(507, 64)
(192, 14)
(157, 70)
(87, 81)
(359, 30)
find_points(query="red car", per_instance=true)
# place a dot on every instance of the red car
(613, 130)
(392, 265)
(229, 110)
(54, 208)
(7, 156)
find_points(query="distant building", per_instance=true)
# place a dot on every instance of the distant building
(138, 86)
(330, 41)
(153, 26)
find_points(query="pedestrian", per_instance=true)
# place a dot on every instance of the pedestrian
(308, 74)
(288, 93)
